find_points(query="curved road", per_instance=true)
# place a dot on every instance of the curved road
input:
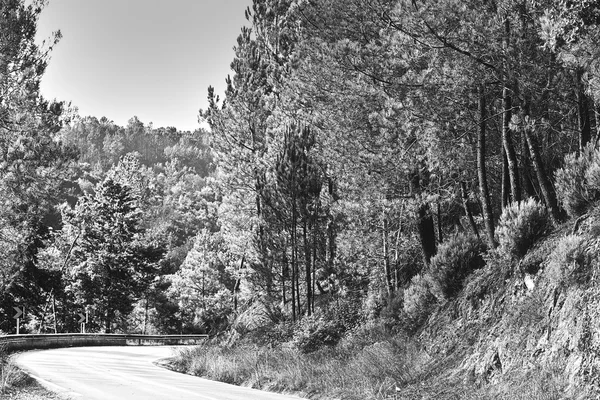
(125, 373)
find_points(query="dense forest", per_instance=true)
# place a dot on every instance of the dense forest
(370, 160)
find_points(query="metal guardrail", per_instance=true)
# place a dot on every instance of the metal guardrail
(45, 341)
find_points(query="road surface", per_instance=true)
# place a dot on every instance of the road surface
(125, 373)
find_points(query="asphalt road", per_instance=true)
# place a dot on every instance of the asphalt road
(125, 373)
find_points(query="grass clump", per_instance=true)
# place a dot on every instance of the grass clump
(454, 261)
(521, 225)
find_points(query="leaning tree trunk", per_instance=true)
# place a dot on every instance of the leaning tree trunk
(387, 270)
(511, 156)
(526, 175)
(486, 204)
(545, 185)
(597, 119)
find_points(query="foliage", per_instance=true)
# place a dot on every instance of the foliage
(418, 301)
(326, 327)
(569, 263)
(203, 286)
(578, 181)
(454, 261)
(33, 162)
(316, 331)
(113, 264)
(521, 225)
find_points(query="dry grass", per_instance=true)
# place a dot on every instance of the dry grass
(373, 372)
(393, 369)
(17, 385)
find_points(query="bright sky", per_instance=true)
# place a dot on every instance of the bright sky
(153, 59)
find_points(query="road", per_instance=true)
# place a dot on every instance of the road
(125, 373)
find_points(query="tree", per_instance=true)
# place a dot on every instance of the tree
(204, 285)
(33, 163)
(113, 265)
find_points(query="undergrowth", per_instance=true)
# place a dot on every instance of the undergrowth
(516, 322)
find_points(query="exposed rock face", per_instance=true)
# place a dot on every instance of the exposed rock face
(515, 318)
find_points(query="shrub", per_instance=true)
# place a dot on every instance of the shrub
(454, 261)
(367, 334)
(418, 301)
(568, 263)
(521, 225)
(315, 332)
(578, 182)
(327, 327)
(394, 305)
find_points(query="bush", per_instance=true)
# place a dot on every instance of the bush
(418, 301)
(568, 263)
(316, 331)
(394, 305)
(454, 261)
(578, 182)
(521, 225)
(327, 327)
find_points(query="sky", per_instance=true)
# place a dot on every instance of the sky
(153, 59)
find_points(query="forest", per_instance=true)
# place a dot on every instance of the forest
(385, 163)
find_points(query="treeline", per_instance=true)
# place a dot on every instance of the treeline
(127, 205)
(95, 218)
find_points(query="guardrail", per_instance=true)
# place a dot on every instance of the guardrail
(45, 341)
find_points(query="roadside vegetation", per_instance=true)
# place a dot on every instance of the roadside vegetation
(16, 385)
(491, 337)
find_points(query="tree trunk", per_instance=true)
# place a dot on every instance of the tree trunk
(439, 223)
(331, 228)
(284, 275)
(314, 262)
(425, 224)
(386, 258)
(145, 318)
(583, 111)
(426, 233)
(54, 313)
(486, 204)
(298, 297)
(526, 175)
(467, 207)
(397, 260)
(293, 282)
(307, 265)
(545, 185)
(597, 119)
(511, 156)
(108, 321)
(505, 180)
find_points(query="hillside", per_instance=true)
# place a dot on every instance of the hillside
(521, 328)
